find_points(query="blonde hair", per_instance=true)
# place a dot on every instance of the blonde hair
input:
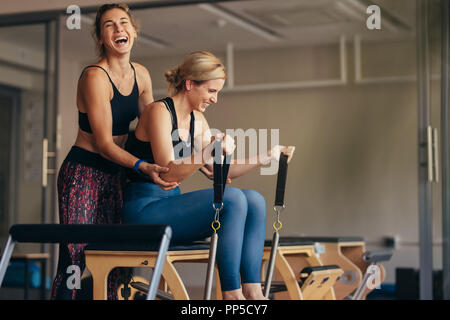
(97, 28)
(198, 66)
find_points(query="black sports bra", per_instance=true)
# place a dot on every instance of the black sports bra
(143, 149)
(124, 108)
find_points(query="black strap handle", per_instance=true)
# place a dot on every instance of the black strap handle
(281, 180)
(377, 256)
(220, 172)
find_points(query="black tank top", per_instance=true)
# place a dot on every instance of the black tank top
(124, 108)
(143, 149)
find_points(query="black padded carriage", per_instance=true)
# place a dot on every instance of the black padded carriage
(113, 235)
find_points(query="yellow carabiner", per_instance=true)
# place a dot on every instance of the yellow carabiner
(215, 225)
(275, 227)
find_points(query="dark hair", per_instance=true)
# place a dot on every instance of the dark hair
(98, 28)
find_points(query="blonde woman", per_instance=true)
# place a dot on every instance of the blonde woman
(166, 133)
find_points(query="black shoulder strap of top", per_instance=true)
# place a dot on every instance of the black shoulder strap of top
(192, 130)
(135, 80)
(168, 102)
(133, 70)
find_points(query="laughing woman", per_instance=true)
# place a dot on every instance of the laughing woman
(110, 94)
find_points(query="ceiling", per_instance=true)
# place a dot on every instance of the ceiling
(246, 24)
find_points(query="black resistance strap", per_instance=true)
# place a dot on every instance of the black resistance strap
(281, 180)
(220, 171)
(277, 225)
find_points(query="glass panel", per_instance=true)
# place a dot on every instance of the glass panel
(23, 68)
(435, 47)
(7, 105)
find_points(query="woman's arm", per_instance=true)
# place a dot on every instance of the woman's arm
(157, 125)
(236, 169)
(244, 167)
(145, 82)
(241, 167)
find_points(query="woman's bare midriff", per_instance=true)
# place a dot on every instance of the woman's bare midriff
(86, 141)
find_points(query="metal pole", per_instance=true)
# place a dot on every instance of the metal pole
(58, 48)
(44, 198)
(271, 267)
(6, 256)
(362, 286)
(425, 204)
(210, 269)
(159, 264)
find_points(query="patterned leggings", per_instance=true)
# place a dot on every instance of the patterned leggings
(86, 195)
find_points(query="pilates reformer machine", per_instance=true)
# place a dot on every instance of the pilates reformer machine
(340, 271)
(318, 279)
(315, 281)
(157, 236)
(292, 260)
(362, 270)
(338, 268)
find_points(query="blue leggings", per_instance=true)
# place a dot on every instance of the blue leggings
(241, 235)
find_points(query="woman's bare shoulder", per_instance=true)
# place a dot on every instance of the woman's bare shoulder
(93, 75)
(156, 111)
(140, 70)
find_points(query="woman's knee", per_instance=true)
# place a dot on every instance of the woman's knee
(256, 202)
(234, 199)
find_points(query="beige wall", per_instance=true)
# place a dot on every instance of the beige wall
(355, 168)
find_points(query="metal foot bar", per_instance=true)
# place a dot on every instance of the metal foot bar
(374, 258)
